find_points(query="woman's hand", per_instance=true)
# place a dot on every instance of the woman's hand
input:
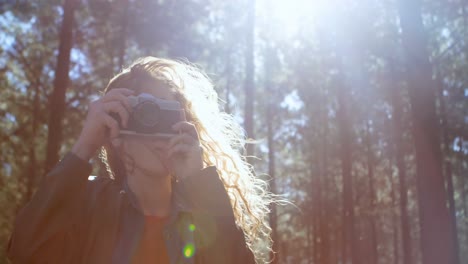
(99, 125)
(184, 150)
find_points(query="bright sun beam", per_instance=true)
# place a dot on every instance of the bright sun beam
(289, 15)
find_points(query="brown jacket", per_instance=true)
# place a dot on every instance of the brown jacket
(74, 218)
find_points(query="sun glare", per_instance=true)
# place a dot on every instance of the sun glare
(288, 16)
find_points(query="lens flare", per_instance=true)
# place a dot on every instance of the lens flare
(191, 227)
(189, 250)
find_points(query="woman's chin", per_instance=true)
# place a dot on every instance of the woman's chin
(161, 173)
(154, 166)
(155, 172)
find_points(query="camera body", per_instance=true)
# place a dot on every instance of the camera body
(152, 117)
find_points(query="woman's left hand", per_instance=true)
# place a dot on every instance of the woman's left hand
(184, 150)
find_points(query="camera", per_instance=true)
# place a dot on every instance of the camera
(151, 116)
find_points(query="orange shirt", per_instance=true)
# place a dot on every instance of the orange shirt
(152, 248)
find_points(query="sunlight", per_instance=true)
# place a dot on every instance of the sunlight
(287, 17)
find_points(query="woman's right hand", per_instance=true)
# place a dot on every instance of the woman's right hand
(99, 125)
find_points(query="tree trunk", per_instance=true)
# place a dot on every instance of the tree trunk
(462, 176)
(344, 125)
(323, 182)
(309, 239)
(448, 169)
(316, 189)
(272, 173)
(32, 174)
(399, 152)
(57, 98)
(315, 226)
(270, 100)
(437, 243)
(391, 157)
(370, 174)
(396, 257)
(249, 85)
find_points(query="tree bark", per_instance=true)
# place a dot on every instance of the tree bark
(61, 80)
(437, 243)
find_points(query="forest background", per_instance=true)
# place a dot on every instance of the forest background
(357, 109)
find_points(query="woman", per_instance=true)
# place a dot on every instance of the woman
(190, 198)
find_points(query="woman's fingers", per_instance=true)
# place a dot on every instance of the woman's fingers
(120, 97)
(186, 127)
(99, 124)
(180, 149)
(182, 139)
(185, 142)
(112, 125)
(185, 150)
(116, 101)
(182, 144)
(118, 108)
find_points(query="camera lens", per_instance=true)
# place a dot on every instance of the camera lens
(147, 114)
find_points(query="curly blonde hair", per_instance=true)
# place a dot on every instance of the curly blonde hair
(222, 140)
